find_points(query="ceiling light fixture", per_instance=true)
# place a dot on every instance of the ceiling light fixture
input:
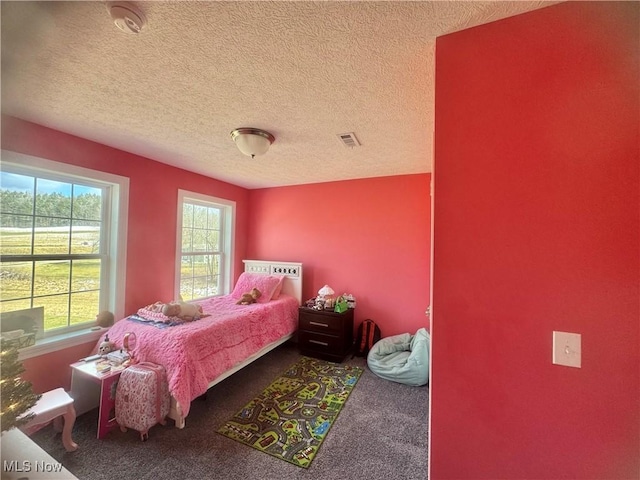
(252, 141)
(127, 16)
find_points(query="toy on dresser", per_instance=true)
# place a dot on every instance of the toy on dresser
(106, 346)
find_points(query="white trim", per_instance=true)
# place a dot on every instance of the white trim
(61, 342)
(118, 246)
(119, 209)
(49, 166)
(227, 240)
(431, 311)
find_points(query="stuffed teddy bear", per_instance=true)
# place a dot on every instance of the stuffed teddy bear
(104, 319)
(249, 298)
(184, 311)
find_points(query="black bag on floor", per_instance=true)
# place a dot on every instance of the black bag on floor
(368, 334)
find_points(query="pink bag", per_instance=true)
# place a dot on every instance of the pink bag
(142, 398)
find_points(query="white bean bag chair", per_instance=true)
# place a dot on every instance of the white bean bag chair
(402, 358)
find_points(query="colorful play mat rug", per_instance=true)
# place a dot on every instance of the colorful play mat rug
(293, 415)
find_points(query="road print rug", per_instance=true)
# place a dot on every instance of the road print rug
(293, 415)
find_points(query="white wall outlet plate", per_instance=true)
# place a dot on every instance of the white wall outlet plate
(567, 349)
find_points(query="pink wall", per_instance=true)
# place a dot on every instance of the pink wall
(151, 239)
(367, 237)
(50, 371)
(537, 229)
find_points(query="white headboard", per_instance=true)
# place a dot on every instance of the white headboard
(291, 270)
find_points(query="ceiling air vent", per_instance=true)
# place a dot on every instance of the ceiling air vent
(349, 139)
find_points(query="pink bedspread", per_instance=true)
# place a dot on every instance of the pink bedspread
(196, 353)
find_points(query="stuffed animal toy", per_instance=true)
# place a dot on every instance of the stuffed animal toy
(184, 311)
(104, 319)
(249, 298)
(106, 346)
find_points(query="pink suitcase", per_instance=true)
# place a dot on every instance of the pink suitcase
(142, 398)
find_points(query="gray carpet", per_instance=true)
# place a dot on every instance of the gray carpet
(381, 433)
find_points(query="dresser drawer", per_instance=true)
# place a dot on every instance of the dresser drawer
(325, 334)
(317, 341)
(321, 323)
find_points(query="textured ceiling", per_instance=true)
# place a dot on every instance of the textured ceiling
(304, 71)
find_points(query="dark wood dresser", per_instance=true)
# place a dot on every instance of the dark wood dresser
(325, 334)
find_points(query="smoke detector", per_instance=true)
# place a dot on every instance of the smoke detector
(127, 16)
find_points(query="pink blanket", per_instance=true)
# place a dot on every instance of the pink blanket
(196, 353)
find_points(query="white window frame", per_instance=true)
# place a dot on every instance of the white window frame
(116, 217)
(227, 238)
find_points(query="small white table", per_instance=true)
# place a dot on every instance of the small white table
(91, 389)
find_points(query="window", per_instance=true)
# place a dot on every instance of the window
(62, 235)
(205, 240)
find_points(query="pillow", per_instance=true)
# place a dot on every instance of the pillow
(267, 284)
(276, 292)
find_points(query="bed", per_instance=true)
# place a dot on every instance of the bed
(198, 354)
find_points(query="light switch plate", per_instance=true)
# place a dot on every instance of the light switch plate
(567, 349)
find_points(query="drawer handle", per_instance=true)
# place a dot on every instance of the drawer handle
(319, 324)
(325, 344)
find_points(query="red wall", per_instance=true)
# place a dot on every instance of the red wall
(536, 229)
(368, 237)
(151, 238)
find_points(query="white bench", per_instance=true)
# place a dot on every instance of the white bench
(54, 405)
